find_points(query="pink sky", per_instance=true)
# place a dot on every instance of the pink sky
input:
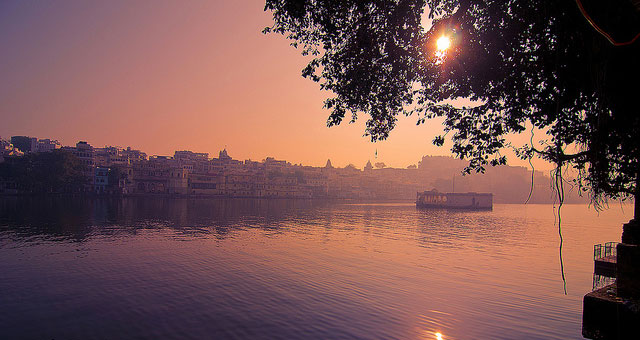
(176, 75)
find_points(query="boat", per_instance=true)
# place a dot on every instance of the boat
(450, 200)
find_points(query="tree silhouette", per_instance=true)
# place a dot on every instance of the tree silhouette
(58, 171)
(567, 68)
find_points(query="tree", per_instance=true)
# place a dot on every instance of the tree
(380, 165)
(58, 171)
(567, 68)
(114, 176)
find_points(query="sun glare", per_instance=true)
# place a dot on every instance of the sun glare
(443, 43)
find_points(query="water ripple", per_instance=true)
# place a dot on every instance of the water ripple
(254, 269)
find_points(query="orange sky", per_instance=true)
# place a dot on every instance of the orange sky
(174, 75)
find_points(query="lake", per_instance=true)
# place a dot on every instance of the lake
(158, 268)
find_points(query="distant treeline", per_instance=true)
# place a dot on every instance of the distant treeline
(58, 171)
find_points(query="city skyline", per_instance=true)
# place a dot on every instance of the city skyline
(128, 171)
(54, 143)
(198, 76)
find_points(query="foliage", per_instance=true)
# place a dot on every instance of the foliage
(114, 176)
(48, 172)
(380, 165)
(523, 64)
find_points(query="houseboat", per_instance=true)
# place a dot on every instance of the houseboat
(468, 200)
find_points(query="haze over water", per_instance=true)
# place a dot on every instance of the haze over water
(279, 269)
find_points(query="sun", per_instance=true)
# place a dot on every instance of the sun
(443, 43)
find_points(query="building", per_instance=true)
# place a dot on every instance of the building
(224, 155)
(161, 175)
(24, 143)
(47, 145)
(209, 184)
(85, 153)
(134, 155)
(190, 156)
(101, 180)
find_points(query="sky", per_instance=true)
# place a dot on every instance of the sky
(161, 76)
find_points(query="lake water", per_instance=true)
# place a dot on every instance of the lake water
(280, 269)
